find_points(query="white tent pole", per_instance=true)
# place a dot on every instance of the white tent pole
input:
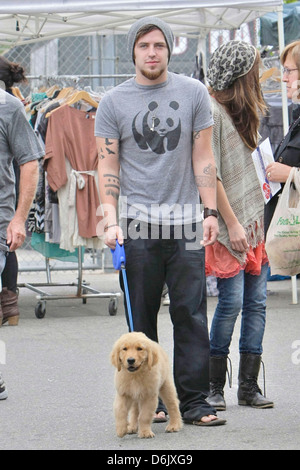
(283, 85)
(285, 120)
(294, 290)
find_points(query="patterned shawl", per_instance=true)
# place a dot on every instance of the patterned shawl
(236, 170)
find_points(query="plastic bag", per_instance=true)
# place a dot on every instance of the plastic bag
(283, 236)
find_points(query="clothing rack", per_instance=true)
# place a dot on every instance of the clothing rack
(76, 78)
(82, 289)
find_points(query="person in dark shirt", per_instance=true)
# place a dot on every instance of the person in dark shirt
(287, 154)
(11, 73)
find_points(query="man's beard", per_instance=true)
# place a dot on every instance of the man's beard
(152, 75)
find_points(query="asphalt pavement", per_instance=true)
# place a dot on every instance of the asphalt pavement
(60, 380)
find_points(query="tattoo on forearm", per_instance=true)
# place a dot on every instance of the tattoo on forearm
(100, 154)
(209, 170)
(110, 192)
(112, 185)
(196, 135)
(111, 177)
(108, 143)
(106, 151)
(207, 180)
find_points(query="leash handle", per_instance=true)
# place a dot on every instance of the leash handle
(119, 261)
(118, 256)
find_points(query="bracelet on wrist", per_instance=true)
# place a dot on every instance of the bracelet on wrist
(208, 212)
(109, 226)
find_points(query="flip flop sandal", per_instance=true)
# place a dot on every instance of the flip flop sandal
(213, 422)
(160, 419)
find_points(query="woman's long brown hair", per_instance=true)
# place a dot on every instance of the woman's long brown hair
(245, 104)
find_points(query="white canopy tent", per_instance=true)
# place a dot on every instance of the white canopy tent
(32, 21)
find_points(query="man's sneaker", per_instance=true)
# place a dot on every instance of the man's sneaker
(3, 391)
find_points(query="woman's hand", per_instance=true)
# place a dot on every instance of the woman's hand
(278, 172)
(238, 238)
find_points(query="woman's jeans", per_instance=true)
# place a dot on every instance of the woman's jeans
(242, 293)
(150, 262)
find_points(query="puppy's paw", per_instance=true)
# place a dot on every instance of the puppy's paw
(174, 427)
(147, 434)
(121, 431)
(131, 429)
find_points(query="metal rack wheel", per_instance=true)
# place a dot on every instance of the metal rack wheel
(113, 306)
(40, 309)
(84, 292)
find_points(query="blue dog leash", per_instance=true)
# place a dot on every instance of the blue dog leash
(119, 261)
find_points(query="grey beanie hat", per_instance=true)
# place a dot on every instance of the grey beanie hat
(150, 20)
(229, 62)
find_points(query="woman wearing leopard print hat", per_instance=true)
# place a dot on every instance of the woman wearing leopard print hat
(238, 258)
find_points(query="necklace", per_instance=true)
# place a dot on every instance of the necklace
(153, 122)
(151, 108)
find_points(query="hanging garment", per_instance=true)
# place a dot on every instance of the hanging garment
(68, 216)
(70, 136)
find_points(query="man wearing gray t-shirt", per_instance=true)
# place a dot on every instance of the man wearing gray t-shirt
(17, 141)
(154, 144)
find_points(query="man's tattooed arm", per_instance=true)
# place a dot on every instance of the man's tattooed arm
(208, 179)
(108, 169)
(109, 189)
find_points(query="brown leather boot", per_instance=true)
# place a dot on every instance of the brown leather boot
(217, 372)
(9, 307)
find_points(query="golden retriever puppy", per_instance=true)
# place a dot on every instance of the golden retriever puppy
(143, 373)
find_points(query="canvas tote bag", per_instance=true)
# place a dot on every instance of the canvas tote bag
(283, 236)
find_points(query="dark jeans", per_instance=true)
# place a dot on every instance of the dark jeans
(149, 264)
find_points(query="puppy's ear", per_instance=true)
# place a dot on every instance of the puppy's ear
(115, 358)
(152, 357)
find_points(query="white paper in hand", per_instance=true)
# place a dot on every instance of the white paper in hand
(262, 157)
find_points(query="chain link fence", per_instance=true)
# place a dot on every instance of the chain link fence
(98, 62)
(103, 61)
